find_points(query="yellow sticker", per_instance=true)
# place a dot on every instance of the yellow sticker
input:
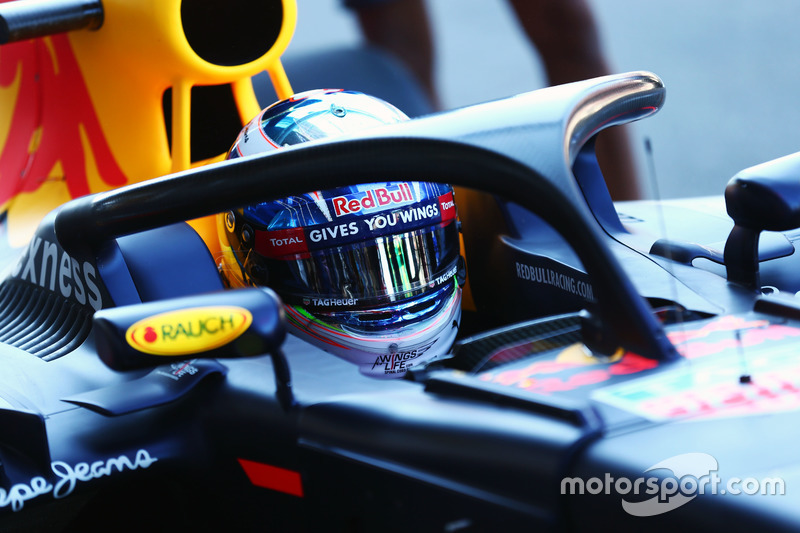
(188, 331)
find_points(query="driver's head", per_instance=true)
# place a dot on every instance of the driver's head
(366, 272)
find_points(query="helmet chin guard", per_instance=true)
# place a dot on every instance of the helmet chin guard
(392, 352)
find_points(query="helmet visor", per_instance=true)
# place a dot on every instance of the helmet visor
(382, 271)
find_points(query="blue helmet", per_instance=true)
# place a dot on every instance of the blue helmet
(367, 272)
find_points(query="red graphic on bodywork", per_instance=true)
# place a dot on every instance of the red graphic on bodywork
(722, 324)
(768, 392)
(52, 108)
(535, 378)
(712, 338)
(751, 333)
(273, 477)
(756, 372)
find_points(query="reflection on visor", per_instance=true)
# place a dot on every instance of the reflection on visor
(387, 269)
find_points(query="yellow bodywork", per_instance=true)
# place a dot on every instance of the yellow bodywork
(120, 72)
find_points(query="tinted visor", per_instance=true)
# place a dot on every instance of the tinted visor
(383, 271)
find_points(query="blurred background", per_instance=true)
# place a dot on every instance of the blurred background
(728, 66)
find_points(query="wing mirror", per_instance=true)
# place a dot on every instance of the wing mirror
(231, 323)
(765, 197)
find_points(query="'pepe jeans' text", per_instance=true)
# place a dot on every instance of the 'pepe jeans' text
(68, 476)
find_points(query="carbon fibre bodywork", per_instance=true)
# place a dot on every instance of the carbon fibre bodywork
(482, 441)
(604, 357)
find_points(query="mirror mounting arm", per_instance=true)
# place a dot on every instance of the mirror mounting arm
(765, 197)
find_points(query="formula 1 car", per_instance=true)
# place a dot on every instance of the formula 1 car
(630, 364)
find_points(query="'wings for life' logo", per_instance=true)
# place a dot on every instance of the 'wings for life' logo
(399, 362)
(188, 331)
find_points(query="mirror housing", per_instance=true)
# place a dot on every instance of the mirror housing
(231, 323)
(765, 197)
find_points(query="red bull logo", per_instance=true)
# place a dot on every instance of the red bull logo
(373, 199)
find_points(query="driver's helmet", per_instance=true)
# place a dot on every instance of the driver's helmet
(367, 272)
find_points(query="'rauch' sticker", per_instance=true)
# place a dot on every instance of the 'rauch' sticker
(188, 331)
